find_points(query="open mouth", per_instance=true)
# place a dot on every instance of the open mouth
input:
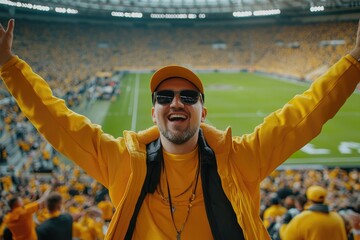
(177, 117)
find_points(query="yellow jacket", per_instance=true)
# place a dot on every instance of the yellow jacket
(243, 162)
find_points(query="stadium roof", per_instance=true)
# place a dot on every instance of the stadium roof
(189, 9)
(196, 6)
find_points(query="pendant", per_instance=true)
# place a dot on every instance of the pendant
(173, 209)
(178, 237)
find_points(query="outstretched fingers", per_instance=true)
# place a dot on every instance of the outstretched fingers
(2, 30)
(10, 27)
(6, 40)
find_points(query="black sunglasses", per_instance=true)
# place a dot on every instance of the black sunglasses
(188, 97)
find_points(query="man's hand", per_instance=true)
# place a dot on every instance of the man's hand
(6, 39)
(356, 51)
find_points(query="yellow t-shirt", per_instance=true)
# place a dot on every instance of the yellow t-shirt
(89, 229)
(107, 209)
(154, 220)
(77, 229)
(20, 222)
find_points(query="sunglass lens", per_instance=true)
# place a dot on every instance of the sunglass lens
(189, 97)
(164, 97)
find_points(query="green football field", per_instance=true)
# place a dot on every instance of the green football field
(240, 100)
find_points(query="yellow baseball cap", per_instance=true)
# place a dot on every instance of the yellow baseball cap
(174, 71)
(316, 194)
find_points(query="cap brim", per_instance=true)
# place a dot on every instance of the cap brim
(174, 71)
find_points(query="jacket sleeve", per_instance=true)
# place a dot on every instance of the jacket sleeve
(300, 120)
(68, 132)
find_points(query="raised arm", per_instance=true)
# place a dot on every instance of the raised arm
(301, 119)
(6, 40)
(70, 133)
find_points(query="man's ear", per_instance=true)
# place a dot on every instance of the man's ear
(203, 114)
(153, 115)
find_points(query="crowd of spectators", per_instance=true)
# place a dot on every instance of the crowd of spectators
(83, 198)
(284, 194)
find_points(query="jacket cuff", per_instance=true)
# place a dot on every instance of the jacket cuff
(9, 63)
(353, 60)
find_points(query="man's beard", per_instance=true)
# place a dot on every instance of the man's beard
(178, 137)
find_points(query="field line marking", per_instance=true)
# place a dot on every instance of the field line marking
(297, 82)
(263, 114)
(126, 99)
(324, 160)
(128, 96)
(135, 103)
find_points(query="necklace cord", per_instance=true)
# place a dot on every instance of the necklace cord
(160, 191)
(191, 198)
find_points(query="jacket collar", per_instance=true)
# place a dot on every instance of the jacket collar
(318, 207)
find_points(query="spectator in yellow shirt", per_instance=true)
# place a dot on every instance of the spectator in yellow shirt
(20, 218)
(275, 210)
(90, 226)
(7, 183)
(316, 222)
(106, 208)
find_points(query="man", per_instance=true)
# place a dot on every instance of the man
(274, 211)
(106, 208)
(300, 202)
(59, 225)
(316, 222)
(20, 218)
(181, 179)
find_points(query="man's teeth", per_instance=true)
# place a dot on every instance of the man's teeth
(177, 116)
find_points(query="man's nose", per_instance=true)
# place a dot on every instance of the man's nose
(176, 102)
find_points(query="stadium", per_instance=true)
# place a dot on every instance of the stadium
(253, 56)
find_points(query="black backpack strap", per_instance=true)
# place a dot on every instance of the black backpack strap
(132, 224)
(220, 213)
(154, 158)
